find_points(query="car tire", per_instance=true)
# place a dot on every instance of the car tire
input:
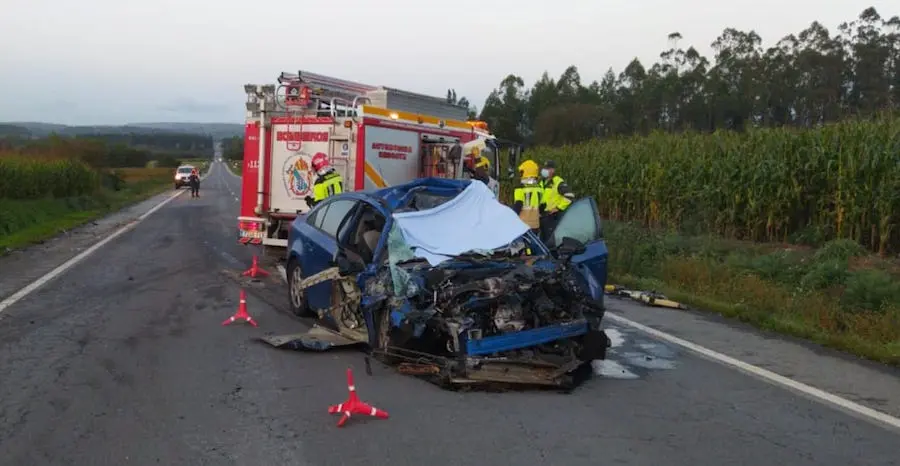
(176, 186)
(297, 299)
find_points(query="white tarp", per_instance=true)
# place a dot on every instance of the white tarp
(472, 221)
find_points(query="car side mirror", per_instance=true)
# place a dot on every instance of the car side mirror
(348, 262)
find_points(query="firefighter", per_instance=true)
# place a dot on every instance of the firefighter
(328, 182)
(194, 181)
(557, 198)
(528, 196)
(476, 164)
(479, 166)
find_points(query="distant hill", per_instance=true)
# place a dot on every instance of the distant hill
(37, 129)
(7, 129)
(217, 130)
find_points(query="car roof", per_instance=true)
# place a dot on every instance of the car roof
(390, 199)
(394, 196)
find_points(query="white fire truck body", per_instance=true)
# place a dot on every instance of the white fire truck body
(375, 137)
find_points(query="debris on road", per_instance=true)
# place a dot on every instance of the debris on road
(651, 298)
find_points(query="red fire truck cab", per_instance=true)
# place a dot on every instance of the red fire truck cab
(374, 137)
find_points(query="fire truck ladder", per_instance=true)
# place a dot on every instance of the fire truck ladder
(333, 92)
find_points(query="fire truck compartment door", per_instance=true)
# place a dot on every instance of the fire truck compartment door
(292, 176)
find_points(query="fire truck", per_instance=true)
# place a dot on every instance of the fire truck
(374, 136)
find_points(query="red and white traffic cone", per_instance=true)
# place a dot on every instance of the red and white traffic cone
(241, 313)
(354, 405)
(255, 270)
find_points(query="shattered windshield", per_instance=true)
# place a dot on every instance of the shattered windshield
(399, 253)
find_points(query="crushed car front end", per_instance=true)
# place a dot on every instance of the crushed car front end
(518, 320)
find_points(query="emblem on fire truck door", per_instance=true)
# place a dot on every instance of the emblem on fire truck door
(297, 176)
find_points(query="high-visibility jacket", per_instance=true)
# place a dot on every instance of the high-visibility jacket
(326, 186)
(528, 204)
(553, 198)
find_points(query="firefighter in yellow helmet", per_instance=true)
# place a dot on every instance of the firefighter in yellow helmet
(479, 166)
(528, 196)
(475, 163)
(557, 197)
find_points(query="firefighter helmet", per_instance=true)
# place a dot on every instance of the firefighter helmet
(320, 162)
(529, 169)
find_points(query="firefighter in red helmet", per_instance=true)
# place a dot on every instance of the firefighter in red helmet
(328, 182)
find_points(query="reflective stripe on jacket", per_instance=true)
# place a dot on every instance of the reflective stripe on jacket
(552, 197)
(327, 186)
(531, 197)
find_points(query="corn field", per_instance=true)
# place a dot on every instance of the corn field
(34, 178)
(135, 175)
(837, 181)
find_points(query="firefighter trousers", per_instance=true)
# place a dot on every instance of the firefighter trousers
(548, 224)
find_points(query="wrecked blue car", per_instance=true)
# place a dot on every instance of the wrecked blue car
(444, 282)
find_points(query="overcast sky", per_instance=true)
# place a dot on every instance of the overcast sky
(120, 61)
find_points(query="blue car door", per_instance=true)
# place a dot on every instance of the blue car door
(581, 221)
(321, 245)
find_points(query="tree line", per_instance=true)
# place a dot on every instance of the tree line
(96, 152)
(167, 142)
(805, 80)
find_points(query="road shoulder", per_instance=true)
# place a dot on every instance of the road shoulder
(21, 267)
(870, 384)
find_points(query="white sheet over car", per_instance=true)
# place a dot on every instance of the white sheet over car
(472, 221)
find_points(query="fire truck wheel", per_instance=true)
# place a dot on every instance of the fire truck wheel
(299, 305)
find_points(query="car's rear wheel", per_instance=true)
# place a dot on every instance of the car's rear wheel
(299, 306)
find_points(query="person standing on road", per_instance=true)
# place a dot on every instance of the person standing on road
(528, 201)
(194, 181)
(328, 182)
(557, 196)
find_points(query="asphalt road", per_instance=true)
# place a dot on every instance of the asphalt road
(122, 360)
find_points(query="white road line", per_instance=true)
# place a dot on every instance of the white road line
(15, 297)
(764, 374)
(228, 169)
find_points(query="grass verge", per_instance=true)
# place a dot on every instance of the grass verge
(236, 166)
(28, 221)
(837, 295)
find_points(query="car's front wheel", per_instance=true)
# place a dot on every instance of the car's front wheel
(299, 305)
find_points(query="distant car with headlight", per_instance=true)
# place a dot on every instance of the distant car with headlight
(183, 175)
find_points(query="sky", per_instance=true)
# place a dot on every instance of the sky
(92, 62)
